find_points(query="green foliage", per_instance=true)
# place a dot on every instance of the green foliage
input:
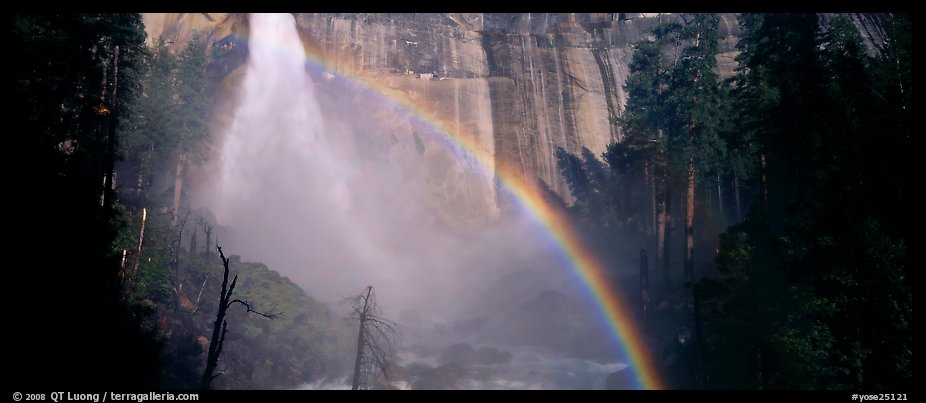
(147, 137)
(192, 102)
(170, 117)
(307, 341)
(152, 279)
(592, 183)
(693, 99)
(576, 176)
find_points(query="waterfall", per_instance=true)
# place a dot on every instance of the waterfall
(311, 180)
(277, 141)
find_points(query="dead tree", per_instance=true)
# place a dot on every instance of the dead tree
(177, 278)
(200, 294)
(220, 328)
(141, 239)
(208, 230)
(375, 340)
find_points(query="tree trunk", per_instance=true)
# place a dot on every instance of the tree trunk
(175, 264)
(193, 245)
(692, 174)
(644, 284)
(220, 327)
(661, 241)
(763, 164)
(125, 253)
(200, 294)
(208, 230)
(358, 362)
(178, 187)
(650, 224)
(720, 201)
(689, 222)
(699, 340)
(736, 193)
(141, 238)
(102, 127)
(667, 234)
(661, 187)
(215, 348)
(710, 204)
(110, 158)
(652, 185)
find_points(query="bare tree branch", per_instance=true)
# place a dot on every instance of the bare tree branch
(251, 309)
(220, 328)
(208, 230)
(174, 247)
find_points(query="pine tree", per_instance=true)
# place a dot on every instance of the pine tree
(192, 108)
(147, 137)
(693, 123)
(644, 125)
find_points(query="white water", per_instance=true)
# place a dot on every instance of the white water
(278, 124)
(284, 177)
(301, 194)
(531, 369)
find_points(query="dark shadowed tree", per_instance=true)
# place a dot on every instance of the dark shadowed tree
(220, 327)
(66, 145)
(826, 261)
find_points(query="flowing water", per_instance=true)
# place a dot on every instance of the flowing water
(303, 191)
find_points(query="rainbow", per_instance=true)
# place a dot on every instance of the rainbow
(614, 311)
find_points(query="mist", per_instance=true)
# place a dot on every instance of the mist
(326, 183)
(311, 184)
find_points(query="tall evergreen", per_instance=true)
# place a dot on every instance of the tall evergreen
(192, 110)
(147, 137)
(693, 124)
(644, 125)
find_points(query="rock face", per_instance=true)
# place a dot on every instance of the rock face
(518, 86)
(522, 84)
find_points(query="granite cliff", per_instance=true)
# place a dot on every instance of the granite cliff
(522, 85)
